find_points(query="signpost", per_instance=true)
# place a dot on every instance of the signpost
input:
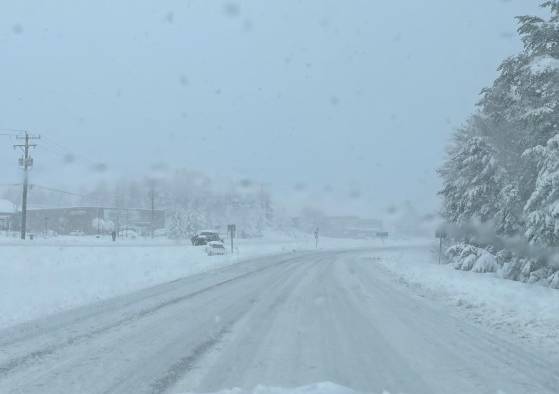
(440, 233)
(316, 238)
(231, 230)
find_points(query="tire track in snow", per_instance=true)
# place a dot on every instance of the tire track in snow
(37, 355)
(183, 365)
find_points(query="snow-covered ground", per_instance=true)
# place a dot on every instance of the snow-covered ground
(366, 319)
(528, 312)
(44, 276)
(272, 325)
(317, 388)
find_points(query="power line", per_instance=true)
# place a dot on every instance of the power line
(51, 151)
(56, 148)
(55, 190)
(15, 130)
(55, 152)
(67, 150)
(26, 162)
(51, 189)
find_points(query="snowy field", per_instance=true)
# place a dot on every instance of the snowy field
(44, 276)
(528, 312)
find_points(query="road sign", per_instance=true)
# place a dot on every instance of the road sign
(382, 235)
(440, 233)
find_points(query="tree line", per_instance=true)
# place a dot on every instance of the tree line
(192, 201)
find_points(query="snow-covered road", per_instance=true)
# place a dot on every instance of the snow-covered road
(284, 321)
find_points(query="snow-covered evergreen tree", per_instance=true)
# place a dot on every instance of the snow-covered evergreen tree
(176, 227)
(542, 208)
(503, 168)
(471, 179)
(476, 186)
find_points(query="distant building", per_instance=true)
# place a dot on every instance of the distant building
(93, 220)
(349, 227)
(7, 210)
(341, 226)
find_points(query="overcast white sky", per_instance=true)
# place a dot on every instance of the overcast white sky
(352, 99)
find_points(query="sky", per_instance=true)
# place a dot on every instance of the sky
(344, 106)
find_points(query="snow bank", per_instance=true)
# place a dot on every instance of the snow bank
(44, 276)
(317, 388)
(526, 311)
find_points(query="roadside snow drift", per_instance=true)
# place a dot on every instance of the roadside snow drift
(526, 311)
(317, 388)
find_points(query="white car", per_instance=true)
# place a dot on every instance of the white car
(215, 248)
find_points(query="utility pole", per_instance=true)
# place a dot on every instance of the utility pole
(152, 201)
(232, 230)
(26, 162)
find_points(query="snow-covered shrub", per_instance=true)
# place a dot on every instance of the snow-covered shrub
(506, 264)
(540, 275)
(453, 252)
(529, 270)
(466, 261)
(471, 258)
(485, 263)
(512, 269)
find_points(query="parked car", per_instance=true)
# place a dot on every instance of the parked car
(204, 237)
(215, 248)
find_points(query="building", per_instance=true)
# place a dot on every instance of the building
(7, 211)
(350, 227)
(341, 226)
(93, 220)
